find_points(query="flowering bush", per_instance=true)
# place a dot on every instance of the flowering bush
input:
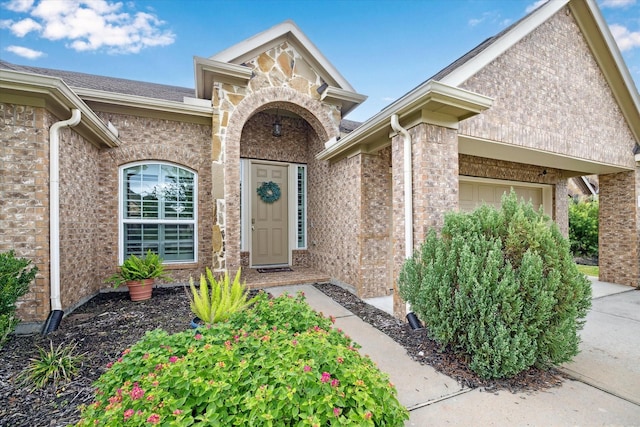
(278, 363)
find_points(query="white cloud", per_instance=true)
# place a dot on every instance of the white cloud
(19, 5)
(626, 39)
(25, 52)
(24, 27)
(616, 3)
(90, 25)
(535, 5)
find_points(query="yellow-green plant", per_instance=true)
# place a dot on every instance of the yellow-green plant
(60, 363)
(217, 299)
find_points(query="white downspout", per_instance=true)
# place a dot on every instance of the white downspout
(54, 210)
(408, 202)
(408, 186)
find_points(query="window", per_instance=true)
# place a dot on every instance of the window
(301, 208)
(158, 211)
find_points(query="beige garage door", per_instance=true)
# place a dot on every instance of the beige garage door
(473, 194)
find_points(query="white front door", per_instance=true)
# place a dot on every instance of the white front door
(269, 214)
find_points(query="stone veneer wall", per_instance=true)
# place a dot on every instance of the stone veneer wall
(283, 80)
(619, 238)
(549, 94)
(180, 143)
(24, 197)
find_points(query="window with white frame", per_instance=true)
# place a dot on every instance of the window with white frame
(301, 208)
(158, 211)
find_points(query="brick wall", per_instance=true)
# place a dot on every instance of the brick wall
(550, 95)
(619, 228)
(184, 144)
(24, 197)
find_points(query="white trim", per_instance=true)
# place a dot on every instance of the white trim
(293, 184)
(547, 189)
(121, 221)
(286, 30)
(245, 205)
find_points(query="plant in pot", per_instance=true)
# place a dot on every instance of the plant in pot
(139, 274)
(216, 300)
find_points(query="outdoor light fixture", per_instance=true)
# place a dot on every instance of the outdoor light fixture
(277, 127)
(636, 152)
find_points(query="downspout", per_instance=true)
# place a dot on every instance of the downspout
(408, 187)
(408, 205)
(55, 316)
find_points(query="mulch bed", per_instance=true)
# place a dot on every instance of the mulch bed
(110, 323)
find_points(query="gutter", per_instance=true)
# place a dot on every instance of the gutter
(408, 186)
(55, 316)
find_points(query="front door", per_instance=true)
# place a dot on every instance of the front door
(269, 220)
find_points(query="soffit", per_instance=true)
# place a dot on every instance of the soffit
(571, 166)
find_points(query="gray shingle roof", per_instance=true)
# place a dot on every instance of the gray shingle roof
(109, 84)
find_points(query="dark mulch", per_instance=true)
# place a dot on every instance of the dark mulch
(110, 323)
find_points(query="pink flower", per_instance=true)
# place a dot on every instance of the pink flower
(145, 356)
(326, 377)
(306, 368)
(335, 383)
(173, 359)
(367, 415)
(128, 414)
(333, 319)
(177, 412)
(136, 392)
(153, 419)
(109, 365)
(198, 336)
(158, 366)
(127, 351)
(337, 411)
(294, 342)
(340, 360)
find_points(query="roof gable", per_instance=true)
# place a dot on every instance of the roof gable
(595, 31)
(289, 32)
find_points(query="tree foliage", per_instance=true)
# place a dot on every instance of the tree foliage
(501, 287)
(583, 227)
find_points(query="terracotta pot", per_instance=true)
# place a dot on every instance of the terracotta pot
(140, 290)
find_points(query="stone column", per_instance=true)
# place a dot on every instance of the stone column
(561, 206)
(619, 228)
(435, 189)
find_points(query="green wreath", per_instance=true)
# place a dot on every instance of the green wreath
(269, 192)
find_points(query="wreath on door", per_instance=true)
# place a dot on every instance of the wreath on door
(269, 192)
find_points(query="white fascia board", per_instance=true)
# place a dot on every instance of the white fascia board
(61, 97)
(414, 101)
(286, 30)
(506, 41)
(143, 102)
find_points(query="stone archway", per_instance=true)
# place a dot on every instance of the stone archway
(320, 117)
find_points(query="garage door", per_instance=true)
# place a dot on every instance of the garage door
(473, 194)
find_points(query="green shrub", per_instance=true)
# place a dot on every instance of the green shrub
(15, 278)
(216, 300)
(277, 363)
(139, 268)
(500, 287)
(583, 227)
(58, 364)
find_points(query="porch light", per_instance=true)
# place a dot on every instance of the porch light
(636, 152)
(277, 127)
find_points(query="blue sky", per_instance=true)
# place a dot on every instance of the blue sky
(384, 48)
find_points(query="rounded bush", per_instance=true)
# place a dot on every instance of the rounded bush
(500, 287)
(278, 363)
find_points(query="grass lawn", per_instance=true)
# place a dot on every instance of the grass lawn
(589, 270)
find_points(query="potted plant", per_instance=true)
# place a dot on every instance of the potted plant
(216, 300)
(139, 274)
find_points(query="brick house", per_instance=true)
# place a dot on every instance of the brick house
(142, 165)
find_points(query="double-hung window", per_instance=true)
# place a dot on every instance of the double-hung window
(158, 211)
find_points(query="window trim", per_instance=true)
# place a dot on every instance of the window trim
(122, 220)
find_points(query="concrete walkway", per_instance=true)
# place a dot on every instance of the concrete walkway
(609, 360)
